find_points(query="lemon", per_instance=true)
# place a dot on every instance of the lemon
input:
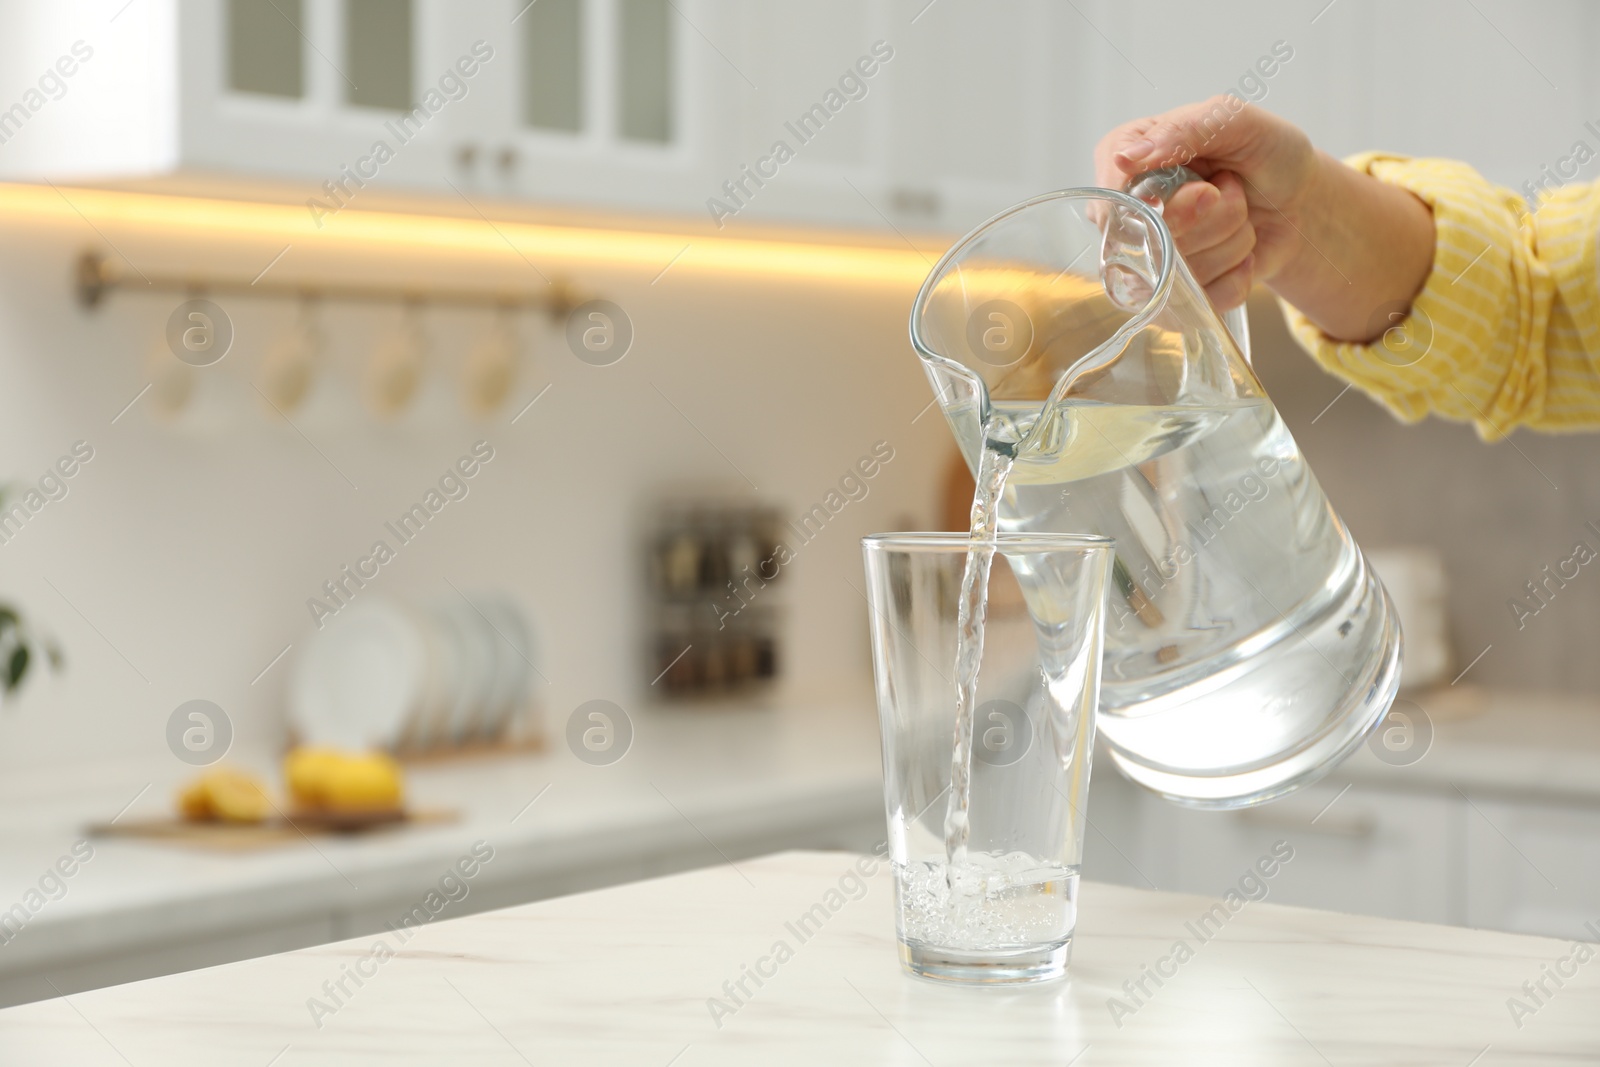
(225, 794)
(304, 771)
(343, 781)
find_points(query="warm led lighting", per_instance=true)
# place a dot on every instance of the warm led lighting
(540, 243)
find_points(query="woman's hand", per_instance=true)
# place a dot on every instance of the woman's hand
(1239, 226)
(1336, 243)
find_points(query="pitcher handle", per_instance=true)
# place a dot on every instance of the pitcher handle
(1157, 186)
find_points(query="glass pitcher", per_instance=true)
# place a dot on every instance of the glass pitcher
(1248, 645)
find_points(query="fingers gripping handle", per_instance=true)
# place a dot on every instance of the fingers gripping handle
(1157, 187)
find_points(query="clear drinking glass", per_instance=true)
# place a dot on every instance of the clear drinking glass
(1008, 912)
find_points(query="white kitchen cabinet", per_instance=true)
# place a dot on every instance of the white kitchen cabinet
(1533, 867)
(1373, 852)
(401, 124)
(655, 106)
(641, 105)
(653, 125)
(987, 103)
(973, 109)
(797, 54)
(1433, 855)
(246, 88)
(964, 112)
(344, 95)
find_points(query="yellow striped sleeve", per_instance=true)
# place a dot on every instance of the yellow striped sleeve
(1506, 330)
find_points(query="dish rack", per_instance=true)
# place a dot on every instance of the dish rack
(449, 676)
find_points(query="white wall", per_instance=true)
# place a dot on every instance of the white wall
(190, 549)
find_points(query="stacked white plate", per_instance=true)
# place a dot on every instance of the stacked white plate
(388, 674)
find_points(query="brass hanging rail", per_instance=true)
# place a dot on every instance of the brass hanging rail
(95, 277)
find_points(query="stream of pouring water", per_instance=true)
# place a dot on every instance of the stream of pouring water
(993, 468)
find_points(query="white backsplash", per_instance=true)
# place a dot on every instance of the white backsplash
(181, 559)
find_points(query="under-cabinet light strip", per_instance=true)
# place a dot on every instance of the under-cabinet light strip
(539, 243)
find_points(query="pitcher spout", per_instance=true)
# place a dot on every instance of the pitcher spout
(1076, 295)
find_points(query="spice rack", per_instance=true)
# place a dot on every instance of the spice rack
(716, 585)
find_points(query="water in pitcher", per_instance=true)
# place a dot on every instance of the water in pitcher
(1235, 586)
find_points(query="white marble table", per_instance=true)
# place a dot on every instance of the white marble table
(627, 976)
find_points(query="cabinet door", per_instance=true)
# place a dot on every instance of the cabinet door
(900, 114)
(1533, 868)
(611, 103)
(261, 90)
(1122, 842)
(627, 104)
(974, 109)
(1372, 852)
(815, 132)
(461, 48)
(341, 96)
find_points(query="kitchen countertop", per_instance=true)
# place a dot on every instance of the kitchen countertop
(1534, 745)
(628, 975)
(697, 786)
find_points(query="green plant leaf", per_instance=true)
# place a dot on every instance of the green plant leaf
(17, 667)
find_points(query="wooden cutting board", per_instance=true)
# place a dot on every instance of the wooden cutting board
(247, 837)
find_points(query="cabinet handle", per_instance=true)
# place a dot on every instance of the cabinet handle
(1355, 827)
